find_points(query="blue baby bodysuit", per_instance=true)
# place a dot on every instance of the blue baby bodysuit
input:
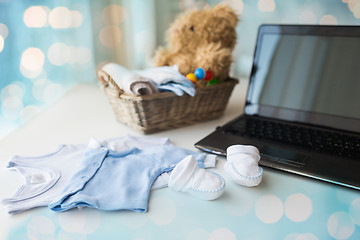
(110, 180)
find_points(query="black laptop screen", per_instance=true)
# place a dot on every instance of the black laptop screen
(307, 75)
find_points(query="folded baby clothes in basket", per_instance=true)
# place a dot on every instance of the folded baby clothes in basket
(149, 80)
(129, 81)
(168, 78)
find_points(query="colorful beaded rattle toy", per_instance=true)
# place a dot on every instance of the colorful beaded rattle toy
(202, 78)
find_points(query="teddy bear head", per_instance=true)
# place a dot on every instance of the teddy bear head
(196, 28)
(201, 39)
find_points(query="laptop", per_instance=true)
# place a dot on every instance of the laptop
(302, 107)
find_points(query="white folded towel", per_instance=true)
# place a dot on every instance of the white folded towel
(129, 81)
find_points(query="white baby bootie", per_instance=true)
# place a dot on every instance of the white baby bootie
(242, 165)
(188, 177)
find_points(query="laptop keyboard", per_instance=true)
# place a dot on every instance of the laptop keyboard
(347, 146)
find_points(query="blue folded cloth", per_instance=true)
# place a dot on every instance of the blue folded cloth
(168, 78)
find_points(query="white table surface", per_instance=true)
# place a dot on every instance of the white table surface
(284, 206)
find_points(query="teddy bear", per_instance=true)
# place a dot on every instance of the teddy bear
(201, 39)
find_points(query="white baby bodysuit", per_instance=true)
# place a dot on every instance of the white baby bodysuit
(110, 180)
(46, 175)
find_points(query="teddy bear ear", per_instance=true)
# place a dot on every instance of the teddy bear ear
(224, 11)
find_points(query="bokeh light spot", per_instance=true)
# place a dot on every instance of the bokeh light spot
(113, 14)
(12, 90)
(76, 19)
(4, 31)
(266, 5)
(1, 43)
(110, 36)
(328, 20)
(30, 73)
(60, 17)
(269, 209)
(298, 207)
(354, 210)
(73, 54)
(32, 61)
(340, 225)
(351, 4)
(356, 9)
(39, 87)
(11, 108)
(237, 5)
(40, 226)
(45, 90)
(58, 54)
(36, 16)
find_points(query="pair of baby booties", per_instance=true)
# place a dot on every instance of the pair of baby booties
(241, 167)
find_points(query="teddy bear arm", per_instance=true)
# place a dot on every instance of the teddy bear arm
(184, 63)
(162, 57)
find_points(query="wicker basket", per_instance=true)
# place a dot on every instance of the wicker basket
(165, 110)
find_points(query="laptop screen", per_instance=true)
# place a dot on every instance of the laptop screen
(307, 74)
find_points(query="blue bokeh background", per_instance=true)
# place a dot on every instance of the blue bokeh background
(47, 47)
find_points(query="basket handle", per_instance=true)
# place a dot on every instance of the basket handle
(105, 79)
